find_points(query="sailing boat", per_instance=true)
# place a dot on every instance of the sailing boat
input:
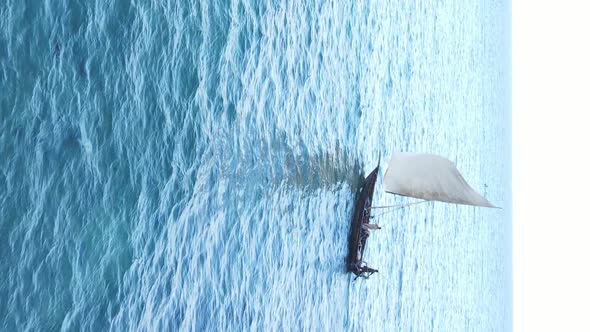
(425, 176)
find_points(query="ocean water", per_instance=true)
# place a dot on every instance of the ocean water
(183, 165)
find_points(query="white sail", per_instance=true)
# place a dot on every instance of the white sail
(429, 177)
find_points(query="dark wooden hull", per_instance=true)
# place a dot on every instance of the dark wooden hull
(358, 235)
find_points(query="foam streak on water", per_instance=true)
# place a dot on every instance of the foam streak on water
(193, 165)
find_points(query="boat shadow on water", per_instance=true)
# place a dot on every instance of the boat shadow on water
(312, 172)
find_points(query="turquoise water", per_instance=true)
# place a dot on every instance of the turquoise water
(193, 166)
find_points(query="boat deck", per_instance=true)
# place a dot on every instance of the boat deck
(358, 234)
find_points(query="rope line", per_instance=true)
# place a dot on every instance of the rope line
(395, 207)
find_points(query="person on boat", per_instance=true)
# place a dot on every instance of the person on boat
(364, 235)
(367, 208)
(362, 270)
(361, 265)
(371, 226)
